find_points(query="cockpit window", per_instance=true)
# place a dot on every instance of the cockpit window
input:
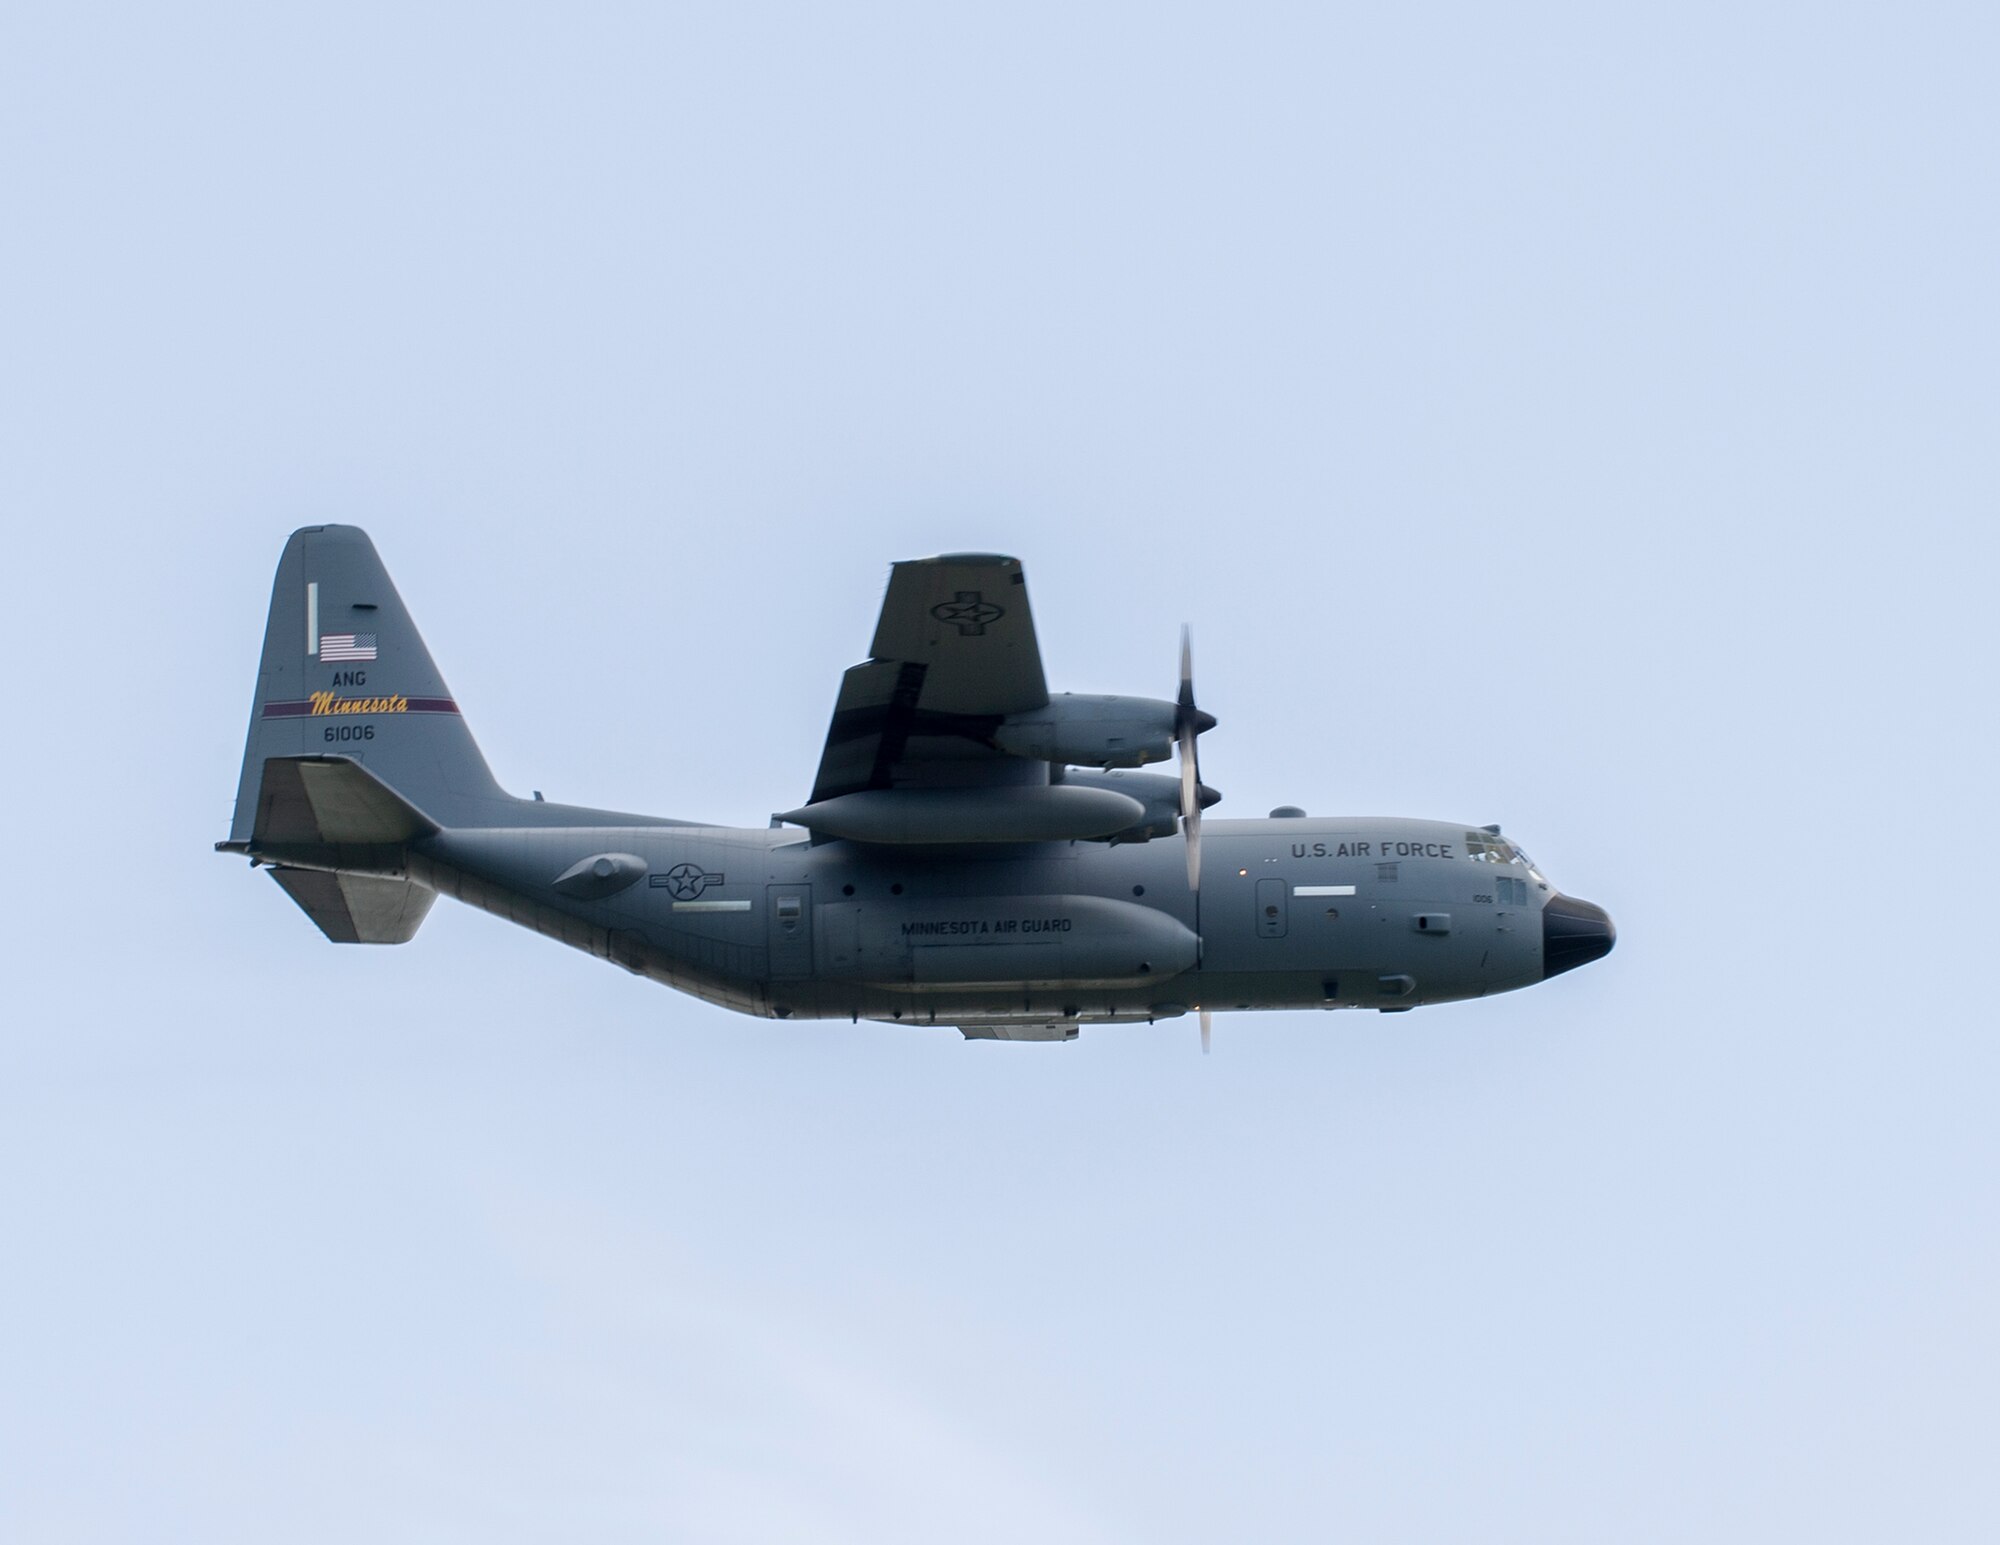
(1484, 847)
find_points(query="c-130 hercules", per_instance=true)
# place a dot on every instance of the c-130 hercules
(976, 852)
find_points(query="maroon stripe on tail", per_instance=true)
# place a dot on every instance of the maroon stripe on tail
(298, 710)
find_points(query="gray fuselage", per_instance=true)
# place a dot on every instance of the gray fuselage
(1370, 912)
(976, 851)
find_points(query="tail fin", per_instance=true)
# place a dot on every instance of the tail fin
(345, 673)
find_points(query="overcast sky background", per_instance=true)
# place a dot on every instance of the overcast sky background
(1582, 419)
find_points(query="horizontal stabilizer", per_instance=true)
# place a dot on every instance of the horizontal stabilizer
(311, 801)
(358, 908)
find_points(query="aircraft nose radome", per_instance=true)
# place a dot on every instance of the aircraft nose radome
(1574, 933)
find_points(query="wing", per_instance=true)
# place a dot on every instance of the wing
(954, 654)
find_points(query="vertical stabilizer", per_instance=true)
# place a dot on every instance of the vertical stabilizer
(345, 673)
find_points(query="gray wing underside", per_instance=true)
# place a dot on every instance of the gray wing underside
(954, 654)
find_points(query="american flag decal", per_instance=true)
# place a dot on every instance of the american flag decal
(347, 646)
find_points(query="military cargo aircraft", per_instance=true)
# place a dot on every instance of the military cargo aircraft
(975, 852)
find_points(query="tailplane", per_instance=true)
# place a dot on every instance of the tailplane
(358, 908)
(337, 839)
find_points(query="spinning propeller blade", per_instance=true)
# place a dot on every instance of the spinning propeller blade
(1189, 722)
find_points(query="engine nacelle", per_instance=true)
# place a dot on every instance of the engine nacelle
(1159, 799)
(1091, 730)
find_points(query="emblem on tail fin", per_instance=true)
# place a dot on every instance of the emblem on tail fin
(347, 646)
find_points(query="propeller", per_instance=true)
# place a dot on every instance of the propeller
(1189, 722)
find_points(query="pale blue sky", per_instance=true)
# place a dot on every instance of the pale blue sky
(1576, 418)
